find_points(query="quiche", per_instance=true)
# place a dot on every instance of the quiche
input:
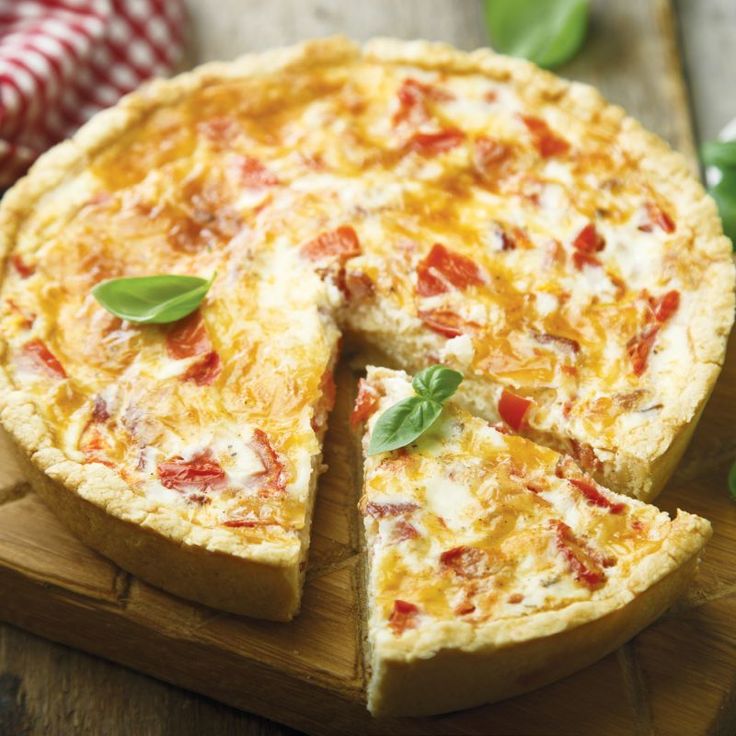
(427, 204)
(495, 565)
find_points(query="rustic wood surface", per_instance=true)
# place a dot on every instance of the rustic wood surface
(678, 677)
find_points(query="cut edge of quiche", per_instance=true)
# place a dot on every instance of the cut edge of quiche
(495, 566)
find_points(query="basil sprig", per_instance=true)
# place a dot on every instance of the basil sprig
(402, 423)
(152, 299)
(721, 155)
(547, 32)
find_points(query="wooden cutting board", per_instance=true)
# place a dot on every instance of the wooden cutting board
(677, 677)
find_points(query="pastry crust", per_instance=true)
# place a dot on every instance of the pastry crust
(264, 580)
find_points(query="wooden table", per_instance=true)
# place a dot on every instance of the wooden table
(632, 54)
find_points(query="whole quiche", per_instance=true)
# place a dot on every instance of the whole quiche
(430, 205)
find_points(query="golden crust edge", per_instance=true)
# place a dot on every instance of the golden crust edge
(556, 644)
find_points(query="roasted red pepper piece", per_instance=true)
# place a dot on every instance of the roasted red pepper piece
(202, 472)
(44, 358)
(513, 409)
(273, 473)
(657, 217)
(205, 370)
(581, 561)
(547, 142)
(403, 616)
(595, 498)
(589, 240)
(442, 269)
(188, 337)
(383, 510)
(432, 144)
(366, 402)
(341, 243)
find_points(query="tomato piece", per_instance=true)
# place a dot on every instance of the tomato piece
(639, 347)
(403, 531)
(432, 144)
(359, 286)
(467, 562)
(442, 269)
(444, 322)
(204, 371)
(366, 402)
(657, 217)
(547, 142)
(382, 510)
(43, 358)
(202, 472)
(24, 269)
(581, 562)
(220, 131)
(254, 174)
(403, 616)
(513, 409)
(585, 456)
(341, 243)
(664, 307)
(100, 412)
(589, 240)
(188, 337)
(581, 260)
(595, 498)
(274, 472)
(488, 155)
(413, 98)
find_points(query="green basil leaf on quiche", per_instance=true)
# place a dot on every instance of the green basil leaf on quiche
(152, 299)
(436, 382)
(402, 423)
(547, 32)
(732, 482)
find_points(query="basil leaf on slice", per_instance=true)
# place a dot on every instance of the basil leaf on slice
(719, 153)
(152, 299)
(402, 423)
(732, 482)
(547, 32)
(436, 382)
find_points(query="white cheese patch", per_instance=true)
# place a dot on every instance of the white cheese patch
(453, 502)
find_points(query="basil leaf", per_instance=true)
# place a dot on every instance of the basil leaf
(436, 382)
(152, 299)
(724, 194)
(719, 153)
(548, 32)
(402, 423)
(732, 482)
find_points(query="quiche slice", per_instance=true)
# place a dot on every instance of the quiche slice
(495, 565)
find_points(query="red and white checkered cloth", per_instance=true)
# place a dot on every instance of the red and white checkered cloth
(63, 60)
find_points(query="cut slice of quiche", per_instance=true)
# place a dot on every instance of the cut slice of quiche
(495, 565)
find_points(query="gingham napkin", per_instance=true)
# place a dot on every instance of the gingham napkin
(63, 60)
